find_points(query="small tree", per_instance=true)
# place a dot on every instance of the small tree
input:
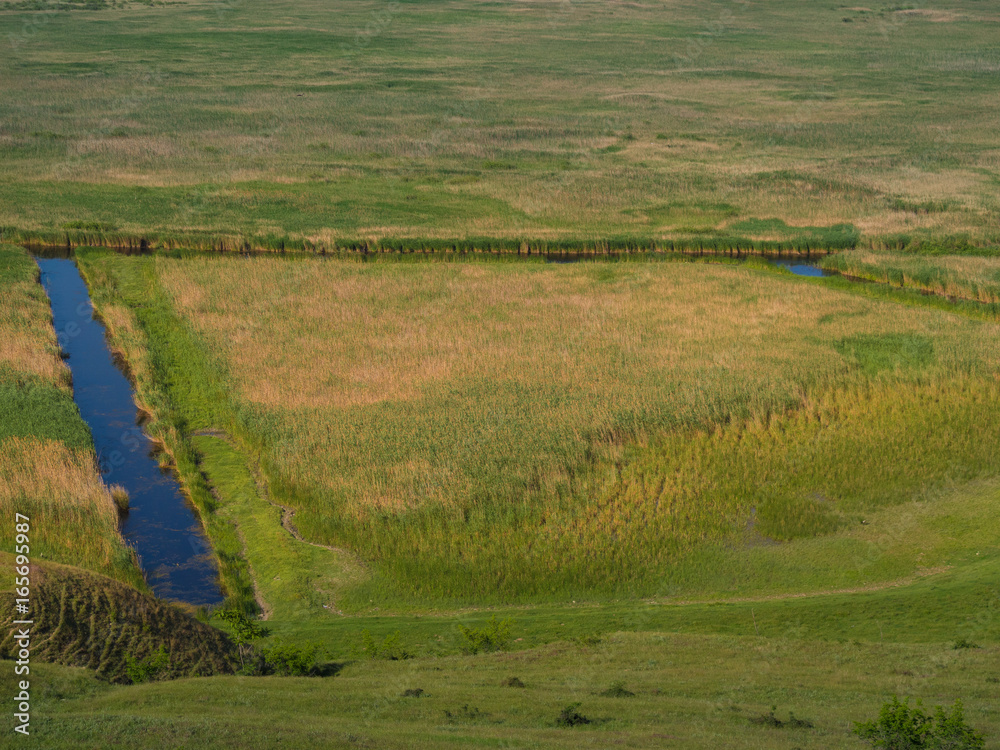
(244, 631)
(902, 727)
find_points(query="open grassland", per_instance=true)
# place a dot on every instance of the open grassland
(963, 277)
(325, 121)
(492, 432)
(48, 469)
(681, 691)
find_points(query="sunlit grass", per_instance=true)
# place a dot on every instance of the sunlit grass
(48, 470)
(448, 120)
(503, 431)
(691, 691)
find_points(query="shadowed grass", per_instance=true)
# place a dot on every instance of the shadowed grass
(82, 619)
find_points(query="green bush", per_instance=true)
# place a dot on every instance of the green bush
(151, 668)
(391, 648)
(493, 636)
(617, 690)
(900, 727)
(291, 659)
(571, 717)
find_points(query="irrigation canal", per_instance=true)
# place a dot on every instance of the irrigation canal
(161, 525)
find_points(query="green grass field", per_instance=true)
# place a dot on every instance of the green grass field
(689, 691)
(697, 489)
(831, 480)
(580, 121)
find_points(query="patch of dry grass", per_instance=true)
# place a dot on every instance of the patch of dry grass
(74, 517)
(27, 340)
(492, 417)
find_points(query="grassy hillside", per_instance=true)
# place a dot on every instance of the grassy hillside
(320, 120)
(48, 470)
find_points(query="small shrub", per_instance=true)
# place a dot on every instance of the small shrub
(515, 682)
(465, 714)
(587, 640)
(148, 669)
(493, 636)
(412, 692)
(244, 631)
(964, 643)
(770, 720)
(767, 720)
(901, 727)
(993, 679)
(618, 690)
(120, 495)
(291, 659)
(571, 717)
(390, 649)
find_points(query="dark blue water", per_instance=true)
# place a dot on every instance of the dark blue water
(160, 525)
(799, 268)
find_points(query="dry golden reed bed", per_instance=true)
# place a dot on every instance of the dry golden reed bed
(48, 470)
(74, 514)
(27, 339)
(528, 427)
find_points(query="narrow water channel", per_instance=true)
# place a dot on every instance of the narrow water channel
(800, 267)
(160, 525)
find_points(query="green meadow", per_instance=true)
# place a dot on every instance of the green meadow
(484, 122)
(676, 691)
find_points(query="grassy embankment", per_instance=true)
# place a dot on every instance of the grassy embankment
(333, 123)
(966, 277)
(463, 427)
(87, 620)
(48, 470)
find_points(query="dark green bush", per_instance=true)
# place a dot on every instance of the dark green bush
(902, 727)
(291, 659)
(618, 690)
(571, 717)
(151, 668)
